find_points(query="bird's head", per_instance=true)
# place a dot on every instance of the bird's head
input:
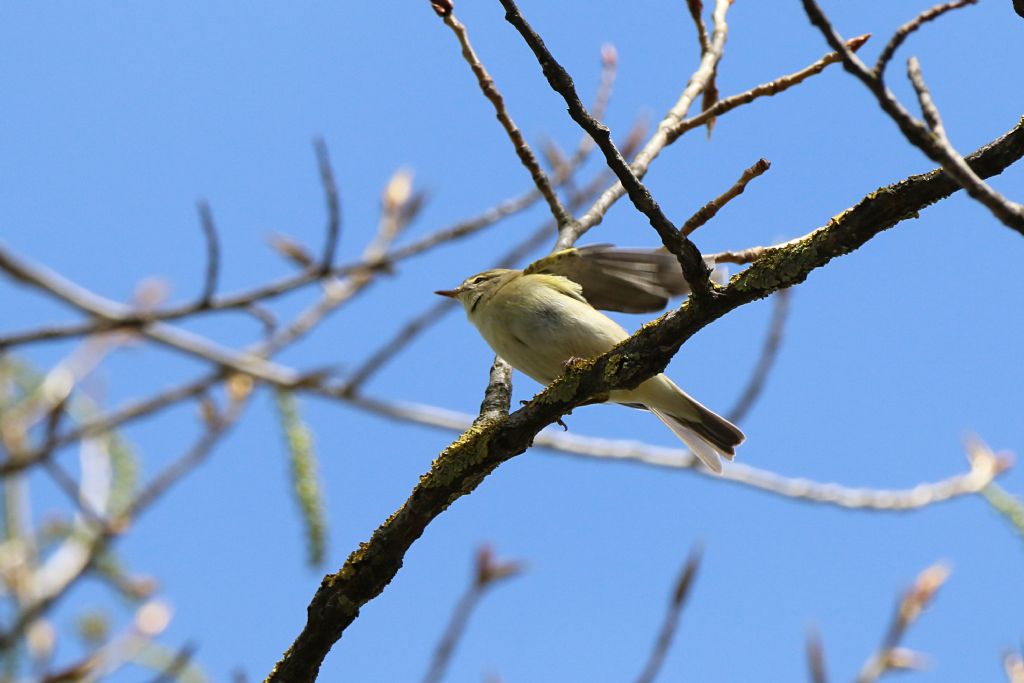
(476, 288)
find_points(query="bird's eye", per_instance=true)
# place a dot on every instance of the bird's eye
(477, 280)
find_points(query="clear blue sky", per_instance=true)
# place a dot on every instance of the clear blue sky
(116, 117)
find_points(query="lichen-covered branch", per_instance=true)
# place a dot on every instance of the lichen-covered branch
(461, 467)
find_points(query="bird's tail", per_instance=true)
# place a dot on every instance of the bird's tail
(709, 435)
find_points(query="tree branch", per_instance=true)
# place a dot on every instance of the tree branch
(462, 466)
(695, 270)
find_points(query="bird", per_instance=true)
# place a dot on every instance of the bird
(540, 318)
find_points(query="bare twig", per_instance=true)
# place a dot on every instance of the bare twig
(889, 655)
(652, 148)
(1007, 212)
(981, 473)
(333, 203)
(769, 352)
(212, 253)
(696, 8)
(928, 108)
(487, 573)
(774, 87)
(609, 69)
(523, 151)
(134, 319)
(904, 31)
(708, 211)
(671, 622)
(70, 488)
(430, 316)
(1013, 662)
(110, 421)
(815, 657)
(435, 312)
(70, 293)
(239, 387)
(463, 466)
(172, 672)
(695, 270)
(194, 456)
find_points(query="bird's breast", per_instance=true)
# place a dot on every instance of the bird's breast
(536, 328)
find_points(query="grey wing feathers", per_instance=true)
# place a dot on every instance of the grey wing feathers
(617, 279)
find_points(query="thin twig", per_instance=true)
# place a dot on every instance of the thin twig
(330, 188)
(652, 148)
(671, 622)
(70, 488)
(88, 302)
(915, 600)
(696, 8)
(1007, 212)
(708, 211)
(695, 270)
(193, 457)
(435, 312)
(468, 460)
(815, 657)
(133, 319)
(486, 574)
(212, 253)
(215, 430)
(1013, 662)
(523, 151)
(172, 672)
(904, 31)
(110, 421)
(769, 352)
(769, 89)
(981, 473)
(924, 99)
(609, 70)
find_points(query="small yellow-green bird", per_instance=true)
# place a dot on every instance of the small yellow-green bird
(541, 317)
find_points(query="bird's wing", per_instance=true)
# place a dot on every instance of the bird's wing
(617, 279)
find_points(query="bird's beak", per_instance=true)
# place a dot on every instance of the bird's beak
(450, 293)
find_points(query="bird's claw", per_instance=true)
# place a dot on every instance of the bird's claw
(569, 362)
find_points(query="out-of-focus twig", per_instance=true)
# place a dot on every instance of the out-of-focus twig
(1013, 663)
(983, 470)
(670, 623)
(135, 319)
(769, 352)
(523, 151)
(330, 189)
(815, 657)
(194, 456)
(487, 574)
(890, 656)
(212, 253)
(436, 311)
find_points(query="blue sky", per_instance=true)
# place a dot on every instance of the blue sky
(117, 117)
